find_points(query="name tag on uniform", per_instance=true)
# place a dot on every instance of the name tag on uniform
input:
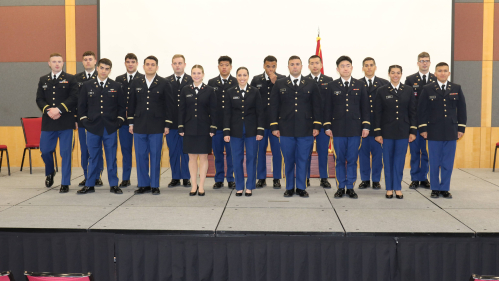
(44, 86)
(337, 92)
(283, 90)
(90, 93)
(416, 86)
(138, 89)
(432, 97)
(453, 94)
(259, 85)
(235, 98)
(215, 88)
(389, 97)
(188, 96)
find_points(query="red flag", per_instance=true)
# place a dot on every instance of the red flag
(318, 52)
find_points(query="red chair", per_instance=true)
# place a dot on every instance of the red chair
(49, 276)
(2, 149)
(495, 154)
(6, 276)
(32, 129)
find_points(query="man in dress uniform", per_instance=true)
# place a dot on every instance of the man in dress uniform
(126, 139)
(56, 97)
(221, 83)
(419, 155)
(295, 114)
(149, 118)
(347, 122)
(179, 161)
(442, 120)
(322, 140)
(265, 82)
(101, 105)
(370, 147)
(89, 60)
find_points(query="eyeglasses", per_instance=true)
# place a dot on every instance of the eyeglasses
(424, 61)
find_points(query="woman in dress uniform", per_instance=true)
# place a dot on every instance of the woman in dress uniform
(243, 127)
(196, 123)
(394, 127)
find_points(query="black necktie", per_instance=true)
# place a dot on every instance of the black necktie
(102, 85)
(196, 89)
(225, 81)
(89, 76)
(443, 88)
(370, 84)
(395, 89)
(131, 78)
(178, 80)
(55, 77)
(296, 83)
(316, 79)
(242, 92)
(424, 79)
(346, 85)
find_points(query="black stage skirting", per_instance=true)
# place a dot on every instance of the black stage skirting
(161, 257)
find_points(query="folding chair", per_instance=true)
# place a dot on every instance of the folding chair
(6, 276)
(50, 276)
(32, 129)
(2, 149)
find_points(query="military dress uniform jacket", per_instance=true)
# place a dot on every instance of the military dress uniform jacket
(220, 90)
(371, 94)
(442, 114)
(101, 108)
(395, 112)
(176, 91)
(265, 88)
(295, 112)
(123, 79)
(322, 83)
(149, 109)
(80, 79)
(347, 112)
(62, 94)
(247, 111)
(415, 82)
(196, 113)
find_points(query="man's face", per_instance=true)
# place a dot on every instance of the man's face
(224, 67)
(178, 65)
(103, 71)
(315, 66)
(424, 64)
(442, 73)
(369, 68)
(56, 64)
(270, 67)
(345, 69)
(131, 65)
(295, 67)
(150, 67)
(89, 63)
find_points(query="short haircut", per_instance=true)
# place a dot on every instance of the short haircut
(343, 58)
(55, 55)
(293, 58)
(224, 58)
(197, 66)
(394, 66)
(178, 56)
(441, 64)
(314, 57)
(269, 59)
(131, 56)
(151, 58)
(423, 55)
(89, 53)
(106, 62)
(368, 58)
(242, 68)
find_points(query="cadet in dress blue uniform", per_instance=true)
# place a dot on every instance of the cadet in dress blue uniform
(126, 139)
(265, 82)
(442, 120)
(196, 124)
(56, 97)
(322, 140)
(221, 84)
(149, 118)
(419, 154)
(295, 108)
(395, 125)
(243, 128)
(347, 122)
(370, 147)
(101, 108)
(89, 60)
(179, 161)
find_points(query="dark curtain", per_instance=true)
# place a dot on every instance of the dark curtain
(59, 252)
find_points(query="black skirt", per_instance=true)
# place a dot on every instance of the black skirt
(197, 144)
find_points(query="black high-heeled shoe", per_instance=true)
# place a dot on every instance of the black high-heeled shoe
(201, 194)
(401, 196)
(389, 196)
(248, 193)
(239, 194)
(195, 192)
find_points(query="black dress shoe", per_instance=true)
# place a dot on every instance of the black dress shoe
(352, 194)
(201, 193)
(192, 193)
(174, 183)
(82, 183)
(187, 183)
(125, 183)
(218, 185)
(339, 193)
(425, 184)
(142, 190)
(376, 185)
(115, 190)
(85, 190)
(98, 182)
(414, 185)
(364, 184)
(277, 184)
(302, 192)
(155, 191)
(389, 196)
(446, 194)
(248, 194)
(239, 193)
(49, 180)
(289, 192)
(260, 183)
(64, 189)
(401, 196)
(308, 182)
(435, 194)
(325, 183)
(232, 185)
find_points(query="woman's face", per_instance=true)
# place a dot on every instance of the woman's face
(197, 75)
(242, 77)
(395, 75)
